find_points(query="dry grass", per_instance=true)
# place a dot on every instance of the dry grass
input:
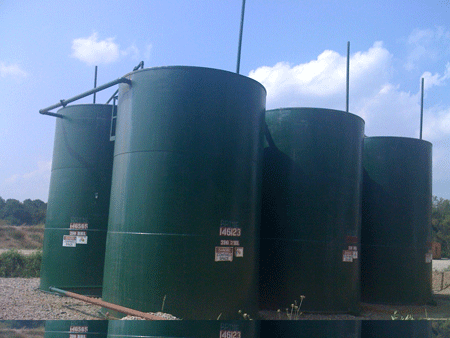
(21, 237)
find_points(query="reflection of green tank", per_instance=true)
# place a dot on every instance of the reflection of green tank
(396, 221)
(190, 328)
(312, 328)
(185, 196)
(78, 203)
(76, 328)
(310, 224)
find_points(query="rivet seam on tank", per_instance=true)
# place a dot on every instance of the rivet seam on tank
(229, 247)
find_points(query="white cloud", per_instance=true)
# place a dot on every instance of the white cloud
(321, 82)
(94, 52)
(436, 124)
(12, 70)
(427, 44)
(390, 112)
(132, 51)
(436, 79)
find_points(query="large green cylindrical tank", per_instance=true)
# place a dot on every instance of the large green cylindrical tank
(396, 221)
(185, 198)
(78, 202)
(184, 328)
(76, 328)
(311, 210)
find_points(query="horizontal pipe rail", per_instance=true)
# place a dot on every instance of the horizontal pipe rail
(107, 305)
(63, 103)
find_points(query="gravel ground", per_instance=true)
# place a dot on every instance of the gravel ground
(20, 299)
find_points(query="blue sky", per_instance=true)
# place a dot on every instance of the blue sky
(296, 49)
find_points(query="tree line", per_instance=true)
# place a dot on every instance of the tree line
(30, 212)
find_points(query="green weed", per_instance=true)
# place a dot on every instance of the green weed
(15, 264)
(294, 312)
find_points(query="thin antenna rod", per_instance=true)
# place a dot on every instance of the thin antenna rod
(421, 110)
(348, 74)
(240, 37)
(95, 81)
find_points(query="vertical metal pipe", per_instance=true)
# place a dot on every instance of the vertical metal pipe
(240, 38)
(348, 74)
(421, 110)
(95, 81)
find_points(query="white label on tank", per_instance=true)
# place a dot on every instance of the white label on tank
(82, 239)
(224, 254)
(70, 241)
(239, 251)
(347, 255)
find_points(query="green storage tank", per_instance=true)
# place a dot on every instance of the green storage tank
(78, 202)
(185, 328)
(396, 256)
(185, 198)
(76, 329)
(311, 210)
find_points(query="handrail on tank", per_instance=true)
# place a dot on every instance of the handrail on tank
(63, 103)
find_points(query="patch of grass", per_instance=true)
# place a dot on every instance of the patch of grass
(37, 237)
(15, 264)
(16, 234)
(294, 312)
(21, 237)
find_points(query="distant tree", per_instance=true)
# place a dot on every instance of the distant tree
(15, 212)
(37, 210)
(29, 212)
(440, 223)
